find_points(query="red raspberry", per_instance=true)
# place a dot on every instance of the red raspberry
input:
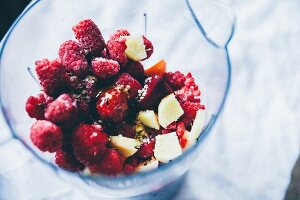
(89, 36)
(154, 90)
(89, 143)
(65, 159)
(50, 74)
(180, 129)
(72, 81)
(190, 109)
(46, 136)
(125, 129)
(146, 150)
(190, 91)
(172, 126)
(128, 82)
(73, 57)
(148, 47)
(112, 105)
(128, 169)
(116, 46)
(35, 106)
(175, 80)
(63, 110)
(105, 68)
(110, 164)
(135, 69)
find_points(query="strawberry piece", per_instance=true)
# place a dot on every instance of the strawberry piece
(73, 57)
(63, 110)
(176, 80)
(65, 159)
(50, 74)
(35, 106)
(130, 84)
(146, 150)
(105, 68)
(154, 90)
(116, 46)
(148, 47)
(183, 142)
(135, 69)
(46, 136)
(89, 143)
(111, 163)
(180, 129)
(112, 105)
(89, 36)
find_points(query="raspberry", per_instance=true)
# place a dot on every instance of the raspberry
(105, 68)
(135, 69)
(116, 46)
(46, 136)
(190, 109)
(112, 105)
(129, 83)
(50, 75)
(73, 57)
(148, 47)
(72, 81)
(110, 164)
(125, 129)
(63, 110)
(104, 54)
(146, 150)
(128, 169)
(90, 86)
(190, 91)
(180, 129)
(89, 36)
(183, 142)
(35, 106)
(89, 143)
(65, 159)
(154, 90)
(175, 80)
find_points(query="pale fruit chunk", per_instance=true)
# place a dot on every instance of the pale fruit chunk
(135, 48)
(126, 146)
(197, 127)
(147, 166)
(148, 118)
(169, 110)
(167, 147)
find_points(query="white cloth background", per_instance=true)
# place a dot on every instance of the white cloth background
(253, 147)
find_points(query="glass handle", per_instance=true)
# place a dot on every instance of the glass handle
(218, 29)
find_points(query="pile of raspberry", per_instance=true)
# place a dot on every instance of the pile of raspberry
(92, 91)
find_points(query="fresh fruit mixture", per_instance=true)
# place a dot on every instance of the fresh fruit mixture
(101, 112)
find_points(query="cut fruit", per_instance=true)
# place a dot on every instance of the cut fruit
(126, 146)
(157, 69)
(197, 127)
(148, 118)
(135, 48)
(147, 166)
(169, 110)
(167, 147)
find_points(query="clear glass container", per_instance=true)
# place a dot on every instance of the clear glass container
(190, 35)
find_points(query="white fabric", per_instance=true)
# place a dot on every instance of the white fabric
(252, 149)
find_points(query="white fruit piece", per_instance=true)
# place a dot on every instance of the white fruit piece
(126, 146)
(135, 48)
(167, 147)
(197, 127)
(147, 166)
(148, 118)
(169, 110)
